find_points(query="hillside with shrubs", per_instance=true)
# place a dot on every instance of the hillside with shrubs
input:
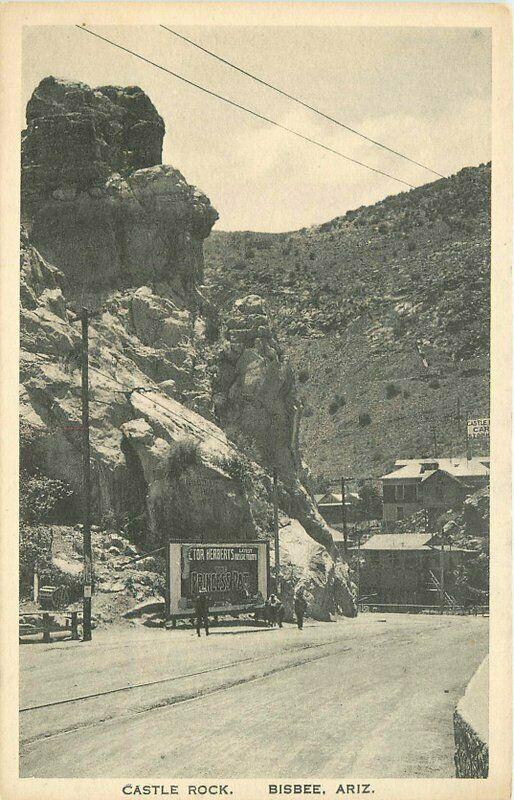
(384, 312)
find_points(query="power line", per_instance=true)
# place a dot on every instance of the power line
(300, 102)
(244, 108)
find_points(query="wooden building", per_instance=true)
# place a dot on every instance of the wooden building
(406, 568)
(434, 485)
(330, 507)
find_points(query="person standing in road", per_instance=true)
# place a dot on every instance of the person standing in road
(300, 606)
(275, 610)
(202, 611)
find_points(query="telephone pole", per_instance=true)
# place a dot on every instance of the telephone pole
(343, 514)
(86, 466)
(441, 569)
(434, 435)
(278, 582)
(468, 442)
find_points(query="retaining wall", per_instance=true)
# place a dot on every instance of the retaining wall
(471, 727)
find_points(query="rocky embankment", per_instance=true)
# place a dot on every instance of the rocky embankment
(188, 417)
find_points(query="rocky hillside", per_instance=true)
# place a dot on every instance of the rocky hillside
(187, 415)
(384, 313)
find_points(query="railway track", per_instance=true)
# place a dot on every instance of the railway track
(171, 678)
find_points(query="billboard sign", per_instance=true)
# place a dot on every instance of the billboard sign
(234, 575)
(478, 428)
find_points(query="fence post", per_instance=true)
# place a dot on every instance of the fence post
(74, 626)
(46, 628)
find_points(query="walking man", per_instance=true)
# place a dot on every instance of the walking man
(300, 606)
(202, 611)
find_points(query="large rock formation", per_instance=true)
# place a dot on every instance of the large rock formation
(187, 460)
(96, 199)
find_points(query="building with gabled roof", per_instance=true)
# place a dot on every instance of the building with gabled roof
(330, 506)
(432, 484)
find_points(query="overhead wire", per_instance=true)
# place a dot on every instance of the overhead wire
(300, 102)
(244, 108)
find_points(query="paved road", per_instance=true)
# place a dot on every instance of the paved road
(371, 697)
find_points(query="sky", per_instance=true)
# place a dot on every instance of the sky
(425, 92)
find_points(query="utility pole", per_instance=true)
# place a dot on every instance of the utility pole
(441, 565)
(343, 513)
(359, 534)
(86, 465)
(459, 420)
(434, 435)
(278, 582)
(167, 595)
(468, 442)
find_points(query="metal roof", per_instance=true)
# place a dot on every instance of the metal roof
(398, 541)
(408, 542)
(457, 467)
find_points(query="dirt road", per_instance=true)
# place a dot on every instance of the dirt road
(372, 696)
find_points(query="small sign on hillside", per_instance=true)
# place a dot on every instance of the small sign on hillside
(478, 428)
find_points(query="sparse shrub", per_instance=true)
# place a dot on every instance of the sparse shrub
(411, 245)
(238, 467)
(247, 445)
(406, 394)
(382, 228)
(434, 384)
(392, 391)
(303, 375)
(337, 403)
(307, 411)
(184, 453)
(371, 502)
(44, 499)
(364, 419)
(333, 406)
(35, 553)
(312, 256)
(399, 327)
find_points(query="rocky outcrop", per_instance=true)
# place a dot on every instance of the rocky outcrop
(179, 456)
(77, 136)
(96, 199)
(255, 392)
(306, 563)
(255, 400)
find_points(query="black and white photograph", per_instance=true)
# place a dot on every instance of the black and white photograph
(257, 419)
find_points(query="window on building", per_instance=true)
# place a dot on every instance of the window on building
(410, 493)
(399, 512)
(388, 493)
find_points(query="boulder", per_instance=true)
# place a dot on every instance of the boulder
(306, 563)
(76, 136)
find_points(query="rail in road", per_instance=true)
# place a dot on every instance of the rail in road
(89, 711)
(360, 704)
(168, 679)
